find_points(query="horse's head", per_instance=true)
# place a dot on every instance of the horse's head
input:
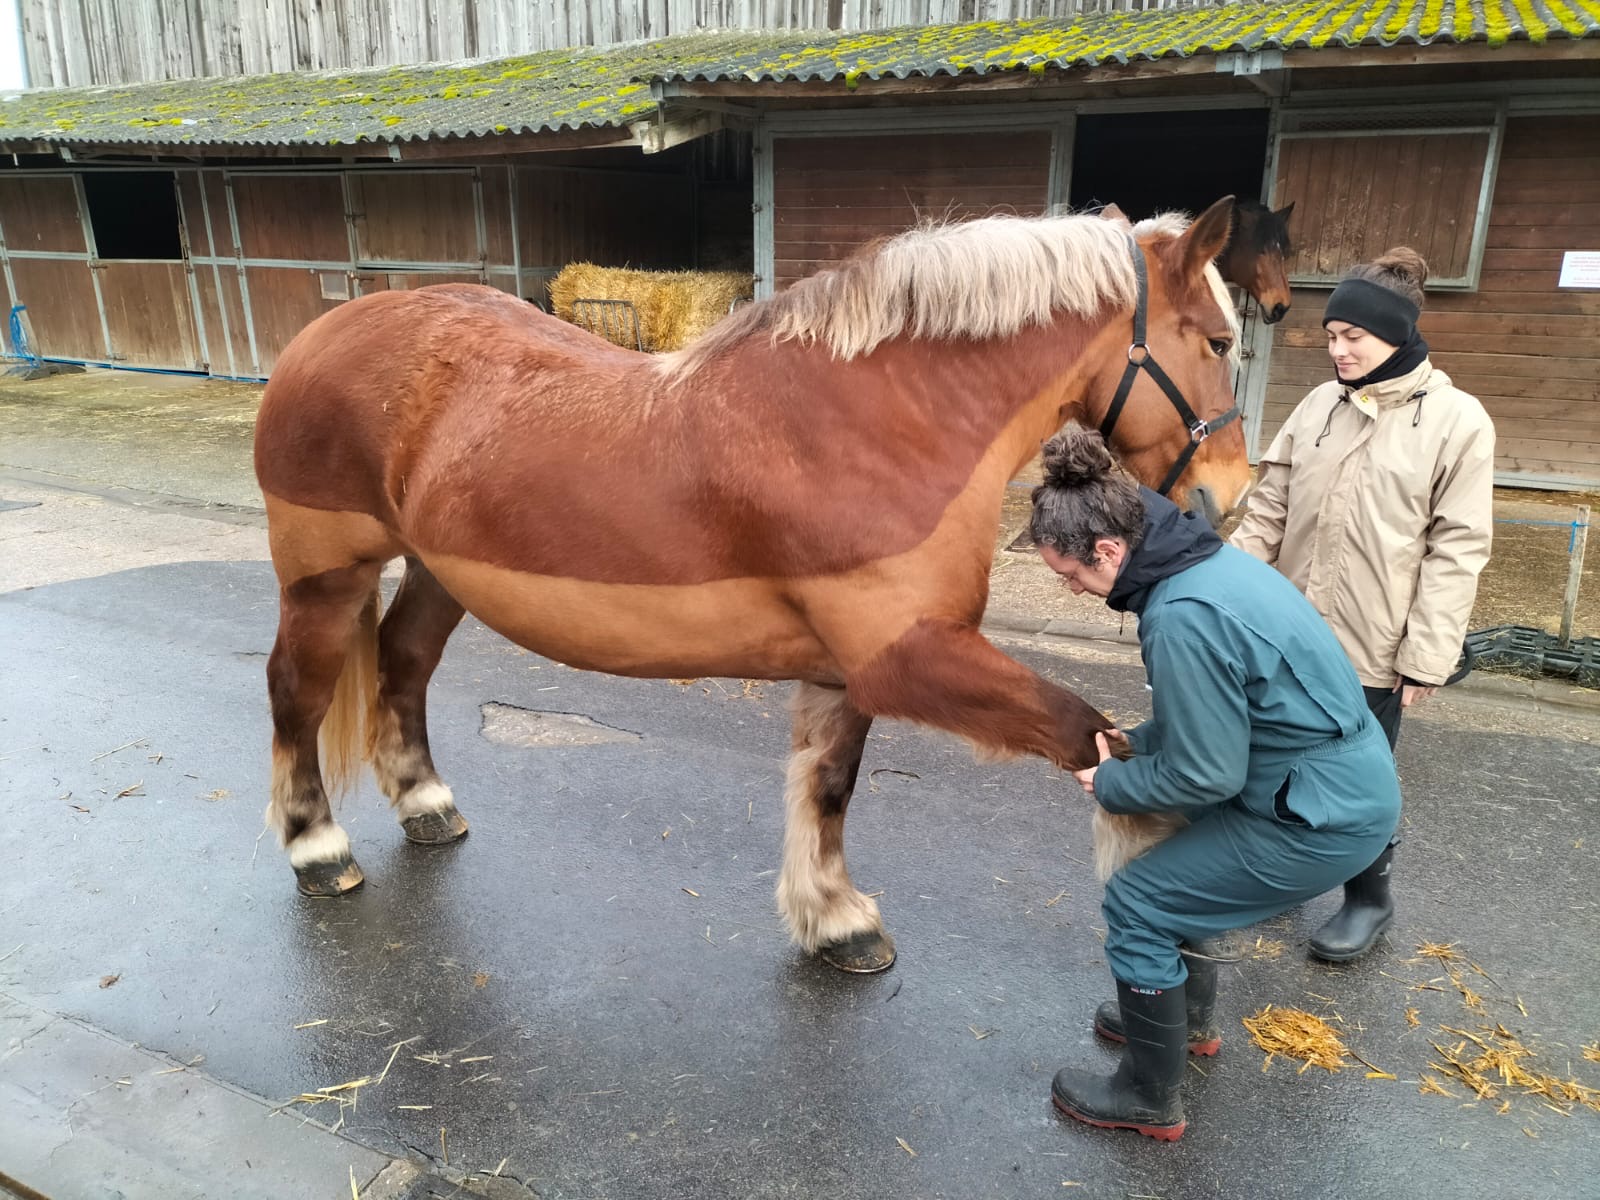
(1257, 255)
(1169, 409)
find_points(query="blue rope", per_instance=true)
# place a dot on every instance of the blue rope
(19, 341)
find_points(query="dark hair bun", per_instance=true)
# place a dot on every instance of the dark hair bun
(1075, 457)
(1405, 265)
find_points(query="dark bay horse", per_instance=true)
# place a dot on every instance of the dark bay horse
(1256, 257)
(810, 492)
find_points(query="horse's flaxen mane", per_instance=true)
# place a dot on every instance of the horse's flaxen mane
(1167, 224)
(974, 279)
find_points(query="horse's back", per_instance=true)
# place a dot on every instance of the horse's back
(360, 386)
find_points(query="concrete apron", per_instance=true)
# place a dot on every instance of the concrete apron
(649, 1031)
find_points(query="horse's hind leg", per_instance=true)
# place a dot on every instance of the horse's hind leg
(322, 621)
(824, 910)
(419, 622)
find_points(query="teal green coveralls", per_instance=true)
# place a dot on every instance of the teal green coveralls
(1260, 734)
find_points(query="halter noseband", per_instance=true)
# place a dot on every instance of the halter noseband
(1140, 359)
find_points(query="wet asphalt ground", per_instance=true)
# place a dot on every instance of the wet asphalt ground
(593, 994)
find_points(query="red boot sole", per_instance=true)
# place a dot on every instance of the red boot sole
(1161, 1133)
(1198, 1049)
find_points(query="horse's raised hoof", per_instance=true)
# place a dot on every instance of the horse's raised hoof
(329, 878)
(435, 828)
(861, 954)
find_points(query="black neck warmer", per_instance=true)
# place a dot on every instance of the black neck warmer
(1403, 361)
(1173, 541)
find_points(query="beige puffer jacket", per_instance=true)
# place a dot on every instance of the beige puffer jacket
(1379, 506)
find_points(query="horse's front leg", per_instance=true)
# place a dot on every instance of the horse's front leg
(825, 912)
(947, 674)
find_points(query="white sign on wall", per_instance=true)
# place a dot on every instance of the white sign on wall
(1580, 269)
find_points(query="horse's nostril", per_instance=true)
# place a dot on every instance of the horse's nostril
(1203, 501)
(1277, 314)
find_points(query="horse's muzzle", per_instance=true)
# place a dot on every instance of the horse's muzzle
(1203, 500)
(1279, 311)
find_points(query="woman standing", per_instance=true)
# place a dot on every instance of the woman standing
(1376, 501)
(1259, 736)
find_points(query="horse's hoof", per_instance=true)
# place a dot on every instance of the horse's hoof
(861, 954)
(329, 878)
(435, 828)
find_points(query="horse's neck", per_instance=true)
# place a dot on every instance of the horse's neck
(966, 398)
(1039, 379)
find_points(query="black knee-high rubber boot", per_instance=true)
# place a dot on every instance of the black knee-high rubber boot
(1143, 1094)
(1199, 1002)
(1368, 910)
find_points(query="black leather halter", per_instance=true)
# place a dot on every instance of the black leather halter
(1140, 359)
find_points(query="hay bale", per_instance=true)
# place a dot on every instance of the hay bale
(674, 307)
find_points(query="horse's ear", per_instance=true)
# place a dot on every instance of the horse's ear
(1283, 213)
(1204, 240)
(1112, 213)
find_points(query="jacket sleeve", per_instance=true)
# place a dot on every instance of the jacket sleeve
(1202, 731)
(1260, 532)
(1457, 549)
(1144, 738)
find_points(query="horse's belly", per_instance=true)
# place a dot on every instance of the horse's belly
(735, 627)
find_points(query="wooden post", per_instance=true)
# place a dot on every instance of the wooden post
(1580, 536)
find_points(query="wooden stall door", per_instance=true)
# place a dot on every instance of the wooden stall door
(832, 195)
(145, 289)
(40, 216)
(1356, 193)
(150, 315)
(416, 217)
(294, 250)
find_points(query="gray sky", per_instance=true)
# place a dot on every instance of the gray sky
(10, 44)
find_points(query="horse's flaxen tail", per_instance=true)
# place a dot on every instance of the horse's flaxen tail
(350, 727)
(1119, 838)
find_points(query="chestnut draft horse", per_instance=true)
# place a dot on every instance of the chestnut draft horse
(1256, 257)
(810, 492)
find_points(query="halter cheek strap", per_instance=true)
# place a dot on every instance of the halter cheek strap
(1140, 359)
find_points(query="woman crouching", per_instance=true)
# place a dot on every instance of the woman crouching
(1261, 738)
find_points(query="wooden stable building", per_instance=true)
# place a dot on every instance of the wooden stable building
(213, 269)
(197, 225)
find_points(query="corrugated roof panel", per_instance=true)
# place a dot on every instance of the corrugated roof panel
(609, 87)
(1097, 39)
(554, 90)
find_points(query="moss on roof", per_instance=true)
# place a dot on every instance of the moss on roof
(609, 87)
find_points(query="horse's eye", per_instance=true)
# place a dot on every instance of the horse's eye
(1221, 346)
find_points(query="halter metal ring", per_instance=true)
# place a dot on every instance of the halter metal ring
(1199, 431)
(1143, 354)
